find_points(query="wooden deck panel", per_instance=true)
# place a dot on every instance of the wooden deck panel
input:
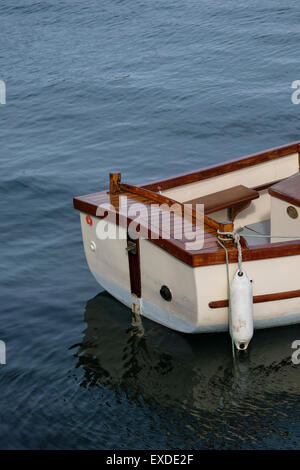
(90, 203)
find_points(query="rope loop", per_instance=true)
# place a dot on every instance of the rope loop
(235, 235)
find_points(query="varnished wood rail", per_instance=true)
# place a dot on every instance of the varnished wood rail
(223, 168)
(260, 298)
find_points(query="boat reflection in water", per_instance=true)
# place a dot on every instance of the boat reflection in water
(193, 375)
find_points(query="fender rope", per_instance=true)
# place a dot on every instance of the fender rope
(229, 297)
(235, 235)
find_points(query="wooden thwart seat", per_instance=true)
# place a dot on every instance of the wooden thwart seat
(236, 199)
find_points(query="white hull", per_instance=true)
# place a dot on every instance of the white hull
(163, 317)
(192, 287)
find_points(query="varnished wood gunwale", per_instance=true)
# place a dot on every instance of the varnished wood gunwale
(222, 168)
(253, 253)
(292, 294)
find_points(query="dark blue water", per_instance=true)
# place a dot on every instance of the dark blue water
(150, 89)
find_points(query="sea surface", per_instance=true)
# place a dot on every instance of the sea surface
(150, 89)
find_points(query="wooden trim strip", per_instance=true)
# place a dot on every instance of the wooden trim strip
(260, 298)
(133, 247)
(222, 168)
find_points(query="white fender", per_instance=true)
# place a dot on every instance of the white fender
(241, 294)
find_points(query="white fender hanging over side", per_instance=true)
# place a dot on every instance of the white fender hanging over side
(241, 294)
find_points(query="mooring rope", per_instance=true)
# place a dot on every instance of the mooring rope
(237, 239)
(229, 297)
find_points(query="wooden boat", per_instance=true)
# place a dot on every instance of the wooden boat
(187, 289)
